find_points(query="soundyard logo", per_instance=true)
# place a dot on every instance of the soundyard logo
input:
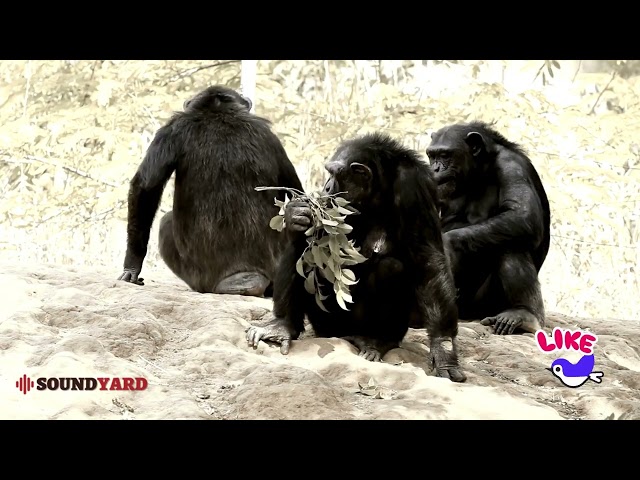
(25, 384)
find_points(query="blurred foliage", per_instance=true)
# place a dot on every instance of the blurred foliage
(73, 133)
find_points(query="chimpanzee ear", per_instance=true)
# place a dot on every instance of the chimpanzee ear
(361, 169)
(476, 143)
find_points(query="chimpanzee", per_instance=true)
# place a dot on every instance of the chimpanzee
(220, 153)
(405, 280)
(496, 221)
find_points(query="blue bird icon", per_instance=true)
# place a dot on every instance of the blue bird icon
(576, 375)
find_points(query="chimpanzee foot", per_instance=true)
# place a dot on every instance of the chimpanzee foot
(370, 348)
(445, 359)
(243, 283)
(506, 323)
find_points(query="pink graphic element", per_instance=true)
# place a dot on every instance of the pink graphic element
(566, 340)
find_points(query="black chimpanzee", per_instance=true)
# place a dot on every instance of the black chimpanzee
(405, 280)
(496, 220)
(220, 153)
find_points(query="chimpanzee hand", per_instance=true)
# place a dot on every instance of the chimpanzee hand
(445, 359)
(298, 216)
(276, 331)
(130, 275)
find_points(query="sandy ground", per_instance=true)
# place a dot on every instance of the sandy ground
(75, 322)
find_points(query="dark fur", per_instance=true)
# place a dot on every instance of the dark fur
(407, 283)
(496, 224)
(220, 152)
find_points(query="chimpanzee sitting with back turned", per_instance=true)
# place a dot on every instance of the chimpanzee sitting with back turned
(405, 279)
(496, 220)
(220, 152)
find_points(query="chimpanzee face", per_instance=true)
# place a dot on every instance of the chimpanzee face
(453, 152)
(349, 177)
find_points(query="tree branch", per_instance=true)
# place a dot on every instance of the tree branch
(31, 159)
(602, 92)
(191, 71)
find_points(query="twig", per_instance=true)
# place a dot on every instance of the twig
(191, 71)
(93, 68)
(31, 159)
(153, 364)
(26, 91)
(602, 92)
(93, 217)
(286, 189)
(577, 71)
(64, 210)
(540, 70)
(154, 120)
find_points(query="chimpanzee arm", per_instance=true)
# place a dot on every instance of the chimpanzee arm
(434, 290)
(289, 299)
(289, 295)
(145, 192)
(520, 218)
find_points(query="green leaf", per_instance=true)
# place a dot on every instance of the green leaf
(338, 260)
(324, 241)
(347, 276)
(331, 230)
(331, 223)
(334, 245)
(333, 212)
(309, 283)
(325, 254)
(346, 273)
(277, 223)
(332, 265)
(328, 274)
(350, 262)
(344, 228)
(341, 201)
(354, 254)
(310, 231)
(345, 211)
(346, 296)
(299, 267)
(320, 304)
(346, 281)
(307, 257)
(555, 64)
(315, 251)
(340, 301)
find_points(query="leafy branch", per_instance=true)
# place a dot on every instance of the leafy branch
(329, 252)
(549, 64)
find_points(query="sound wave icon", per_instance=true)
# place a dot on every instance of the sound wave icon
(25, 384)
